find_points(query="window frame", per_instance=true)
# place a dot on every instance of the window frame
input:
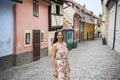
(42, 38)
(27, 32)
(36, 8)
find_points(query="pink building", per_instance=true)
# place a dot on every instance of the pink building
(76, 27)
(31, 31)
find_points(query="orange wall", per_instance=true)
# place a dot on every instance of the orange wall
(76, 27)
(77, 22)
(26, 21)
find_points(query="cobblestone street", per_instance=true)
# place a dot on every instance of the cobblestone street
(90, 61)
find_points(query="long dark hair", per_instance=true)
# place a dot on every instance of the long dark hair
(55, 36)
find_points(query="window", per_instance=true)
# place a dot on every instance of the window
(69, 35)
(42, 37)
(98, 25)
(57, 9)
(72, 5)
(77, 7)
(35, 8)
(27, 38)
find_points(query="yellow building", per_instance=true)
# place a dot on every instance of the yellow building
(89, 24)
(89, 31)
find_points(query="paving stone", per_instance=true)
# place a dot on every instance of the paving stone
(89, 61)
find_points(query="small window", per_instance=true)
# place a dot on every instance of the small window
(77, 7)
(73, 5)
(57, 9)
(42, 37)
(35, 8)
(27, 38)
(98, 25)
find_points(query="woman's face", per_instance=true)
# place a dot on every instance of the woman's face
(60, 36)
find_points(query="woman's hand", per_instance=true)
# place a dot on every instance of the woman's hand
(55, 73)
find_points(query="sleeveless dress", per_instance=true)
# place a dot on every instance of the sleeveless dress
(62, 64)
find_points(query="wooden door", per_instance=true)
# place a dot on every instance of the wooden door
(36, 44)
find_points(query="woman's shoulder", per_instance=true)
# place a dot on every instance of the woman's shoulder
(55, 44)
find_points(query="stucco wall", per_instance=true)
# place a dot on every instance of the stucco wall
(68, 14)
(88, 28)
(7, 27)
(106, 19)
(26, 21)
(76, 27)
(51, 37)
(117, 42)
(111, 26)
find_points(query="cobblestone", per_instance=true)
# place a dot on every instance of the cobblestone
(89, 61)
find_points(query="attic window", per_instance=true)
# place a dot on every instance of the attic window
(35, 8)
(77, 7)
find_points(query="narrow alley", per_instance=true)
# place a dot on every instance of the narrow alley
(89, 61)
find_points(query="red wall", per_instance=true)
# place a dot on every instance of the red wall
(76, 27)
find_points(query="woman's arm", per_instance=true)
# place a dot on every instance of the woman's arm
(53, 60)
(67, 56)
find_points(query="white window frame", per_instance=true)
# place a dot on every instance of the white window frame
(30, 37)
(42, 40)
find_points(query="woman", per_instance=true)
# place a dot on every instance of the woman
(60, 64)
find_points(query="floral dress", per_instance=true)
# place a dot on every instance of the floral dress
(62, 64)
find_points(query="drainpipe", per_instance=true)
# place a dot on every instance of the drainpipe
(73, 28)
(115, 25)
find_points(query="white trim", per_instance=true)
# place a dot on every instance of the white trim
(43, 37)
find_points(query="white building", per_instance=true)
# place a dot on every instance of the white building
(114, 24)
(55, 20)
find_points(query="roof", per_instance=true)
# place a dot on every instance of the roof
(86, 15)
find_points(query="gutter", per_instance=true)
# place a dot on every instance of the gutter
(114, 37)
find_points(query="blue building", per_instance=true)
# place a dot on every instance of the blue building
(7, 33)
(68, 38)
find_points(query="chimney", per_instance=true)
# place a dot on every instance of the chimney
(84, 6)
